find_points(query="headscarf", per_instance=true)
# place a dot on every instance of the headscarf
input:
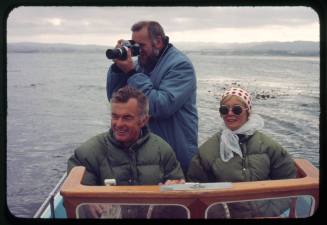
(241, 93)
(229, 143)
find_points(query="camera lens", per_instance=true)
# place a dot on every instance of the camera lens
(121, 52)
(117, 53)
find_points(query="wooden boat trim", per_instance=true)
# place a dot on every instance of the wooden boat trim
(307, 183)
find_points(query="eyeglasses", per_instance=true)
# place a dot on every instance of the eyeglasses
(236, 109)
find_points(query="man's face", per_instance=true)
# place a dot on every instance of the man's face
(126, 121)
(148, 50)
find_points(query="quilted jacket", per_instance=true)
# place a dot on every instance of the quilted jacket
(263, 159)
(149, 161)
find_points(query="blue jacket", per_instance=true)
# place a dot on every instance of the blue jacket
(171, 89)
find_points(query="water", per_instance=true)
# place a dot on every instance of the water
(58, 100)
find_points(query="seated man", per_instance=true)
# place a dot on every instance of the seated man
(128, 152)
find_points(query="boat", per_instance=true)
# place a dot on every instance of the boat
(70, 198)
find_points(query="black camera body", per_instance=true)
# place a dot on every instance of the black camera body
(121, 53)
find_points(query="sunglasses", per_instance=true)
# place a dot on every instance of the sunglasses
(236, 109)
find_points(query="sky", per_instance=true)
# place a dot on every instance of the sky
(106, 25)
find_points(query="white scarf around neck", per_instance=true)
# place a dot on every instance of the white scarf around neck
(229, 142)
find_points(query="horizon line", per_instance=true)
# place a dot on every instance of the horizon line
(179, 42)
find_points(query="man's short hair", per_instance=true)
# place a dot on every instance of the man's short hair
(127, 92)
(154, 29)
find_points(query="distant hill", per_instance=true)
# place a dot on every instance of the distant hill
(29, 47)
(296, 48)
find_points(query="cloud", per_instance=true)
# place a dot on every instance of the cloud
(81, 23)
(54, 21)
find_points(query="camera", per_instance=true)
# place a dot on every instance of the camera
(121, 52)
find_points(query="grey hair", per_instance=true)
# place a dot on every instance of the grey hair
(154, 29)
(127, 92)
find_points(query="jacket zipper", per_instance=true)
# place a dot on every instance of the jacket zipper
(133, 178)
(243, 148)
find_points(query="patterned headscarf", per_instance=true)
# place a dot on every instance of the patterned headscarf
(243, 94)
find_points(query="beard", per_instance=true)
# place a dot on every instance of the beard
(149, 62)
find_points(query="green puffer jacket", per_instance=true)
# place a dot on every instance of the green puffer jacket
(147, 162)
(263, 159)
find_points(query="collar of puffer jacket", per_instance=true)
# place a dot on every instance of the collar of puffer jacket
(144, 136)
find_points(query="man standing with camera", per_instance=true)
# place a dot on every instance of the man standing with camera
(167, 77)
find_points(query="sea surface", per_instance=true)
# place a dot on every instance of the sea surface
(57, 100)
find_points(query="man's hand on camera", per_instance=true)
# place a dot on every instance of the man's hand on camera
(125, 65)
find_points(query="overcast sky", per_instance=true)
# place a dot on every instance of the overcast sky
(105, 25)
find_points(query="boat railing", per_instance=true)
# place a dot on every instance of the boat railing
(50, 200)
(197, 200)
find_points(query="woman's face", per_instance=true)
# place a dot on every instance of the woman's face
(232, 120)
